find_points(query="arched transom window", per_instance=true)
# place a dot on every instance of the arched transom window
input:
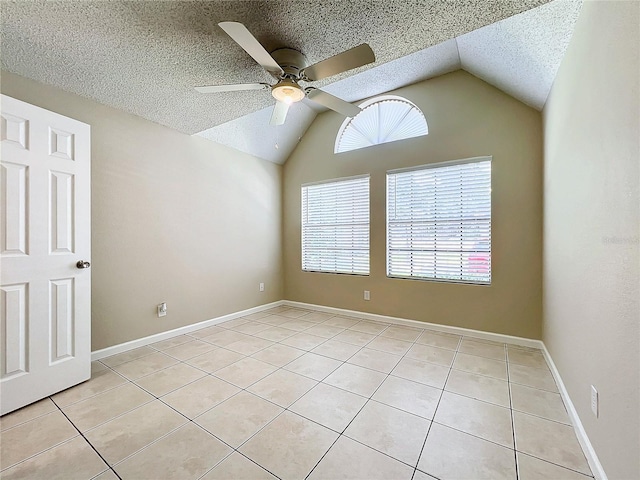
(382, 120)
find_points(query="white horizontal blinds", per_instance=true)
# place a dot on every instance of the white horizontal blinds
(439, 223)
(384, 120)
(401, 121)
(335, 226)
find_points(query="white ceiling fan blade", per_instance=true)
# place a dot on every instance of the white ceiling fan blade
(352, 58)
(279, 114)
(243, 37)
(334, 103)
(233, 88)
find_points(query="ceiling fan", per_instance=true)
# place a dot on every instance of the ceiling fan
(289, 67)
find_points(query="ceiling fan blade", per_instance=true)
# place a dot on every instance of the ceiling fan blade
(279, 114)
(243, 37)
(334, 103)
(352, 58)
(232, 88)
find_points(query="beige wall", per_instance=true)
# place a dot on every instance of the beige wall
(175, 218)
(466, 118)
(592, 228)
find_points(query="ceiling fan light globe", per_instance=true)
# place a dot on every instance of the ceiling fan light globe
(288, 92)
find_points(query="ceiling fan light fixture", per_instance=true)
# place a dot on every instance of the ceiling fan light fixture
(287, 91)
(290, 66)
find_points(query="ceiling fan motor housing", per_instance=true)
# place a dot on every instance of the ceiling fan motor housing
(291, 61)
(290, 67)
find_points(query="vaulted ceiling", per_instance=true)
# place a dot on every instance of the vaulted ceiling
(145, 57)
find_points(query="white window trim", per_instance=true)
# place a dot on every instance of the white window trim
(426, 167)
(363, 272)
(349, 121)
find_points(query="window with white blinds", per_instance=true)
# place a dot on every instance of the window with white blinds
(335, 226)
(439, 222)
(383, 119)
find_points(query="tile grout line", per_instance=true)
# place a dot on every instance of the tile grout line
(139, 406)
(281, 367)
(189, 420)
(4, 469)
(239, 453)
(318, 382)
(442, 392)
(390, 406)
(167, 434)
(280, 342)
(370, 398)
(435, 410)
(286, 409)
(513, 422)
(403, 356)
(323, 455)
(88, 442)
(117, 416)
(111, 466)
(322, 381)
(237, 449)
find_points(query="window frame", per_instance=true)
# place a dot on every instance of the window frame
(349, 122)
(432, 166)
(368, 227)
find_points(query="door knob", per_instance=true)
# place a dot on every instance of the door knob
(83, 264)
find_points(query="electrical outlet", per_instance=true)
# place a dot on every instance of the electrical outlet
(367, 295)
(594, 401)
(162, 309)
(261, 287)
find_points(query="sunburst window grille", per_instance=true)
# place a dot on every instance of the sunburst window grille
(382, 120)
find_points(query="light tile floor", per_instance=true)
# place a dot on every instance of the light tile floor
(293, 394)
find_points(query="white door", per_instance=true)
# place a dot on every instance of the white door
(45, 295)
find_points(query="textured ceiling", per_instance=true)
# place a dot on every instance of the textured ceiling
(253, 134)
(145, 57)
(519, 55)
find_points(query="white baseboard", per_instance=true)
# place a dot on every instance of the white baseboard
(590, 454)
(585, 443)
(583, 439)
(141, 342)
(496, 337)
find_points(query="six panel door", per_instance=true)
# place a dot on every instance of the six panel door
(45, 298)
